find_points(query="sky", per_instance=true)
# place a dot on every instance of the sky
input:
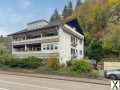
(15, 14)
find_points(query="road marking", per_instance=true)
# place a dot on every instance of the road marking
(29, 85)
(3, 89)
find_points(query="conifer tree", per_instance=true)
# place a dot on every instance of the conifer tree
(55, 16)
(78, 4)
(68, 10)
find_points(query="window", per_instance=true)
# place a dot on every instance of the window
(56, 47)
(38, 49)
(81, 41)
(48, 47)
(51, 46)
(44, 47)
(72, 51)
(80, 52)
(76, 51)
(74, 40)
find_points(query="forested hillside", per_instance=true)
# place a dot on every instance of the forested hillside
(100, 22)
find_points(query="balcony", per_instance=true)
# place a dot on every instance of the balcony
(37, 40)
(35, 49)
(39, 54)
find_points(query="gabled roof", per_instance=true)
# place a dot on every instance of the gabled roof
(26, 30)
(72, 23)
(37, 21)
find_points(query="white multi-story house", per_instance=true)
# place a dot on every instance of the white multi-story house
(62, 40)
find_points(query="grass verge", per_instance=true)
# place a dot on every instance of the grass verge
(48, 71)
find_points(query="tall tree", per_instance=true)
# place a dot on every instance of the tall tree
(93, 15)
(70, 7)
(55, 16)
(68, 10)
(111, 41)
(95, 50)
(115, 15)
(64, 13)
(78, 4)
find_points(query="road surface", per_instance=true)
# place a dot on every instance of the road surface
(13, 82)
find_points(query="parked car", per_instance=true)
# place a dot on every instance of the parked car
(112, 74)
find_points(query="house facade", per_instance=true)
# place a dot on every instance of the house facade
(43, 40)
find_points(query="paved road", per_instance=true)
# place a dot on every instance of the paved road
(13, 82)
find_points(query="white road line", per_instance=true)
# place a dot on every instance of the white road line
(3, 89)
(29, 85)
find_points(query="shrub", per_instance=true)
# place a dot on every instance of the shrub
(53, 63)
(8, 60)
(95, 50)
(5, 56)
(81, 66)
(69, 63)
(33, 62)
(29, 63)
(16, 63)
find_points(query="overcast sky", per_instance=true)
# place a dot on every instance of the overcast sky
(15, 14)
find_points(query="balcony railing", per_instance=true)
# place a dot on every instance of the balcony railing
(36, 53)
(35, 40)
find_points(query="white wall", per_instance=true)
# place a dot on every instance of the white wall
(80, 47)
(65, 46)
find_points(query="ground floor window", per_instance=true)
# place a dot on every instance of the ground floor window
(51, 46)
(80, 52)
